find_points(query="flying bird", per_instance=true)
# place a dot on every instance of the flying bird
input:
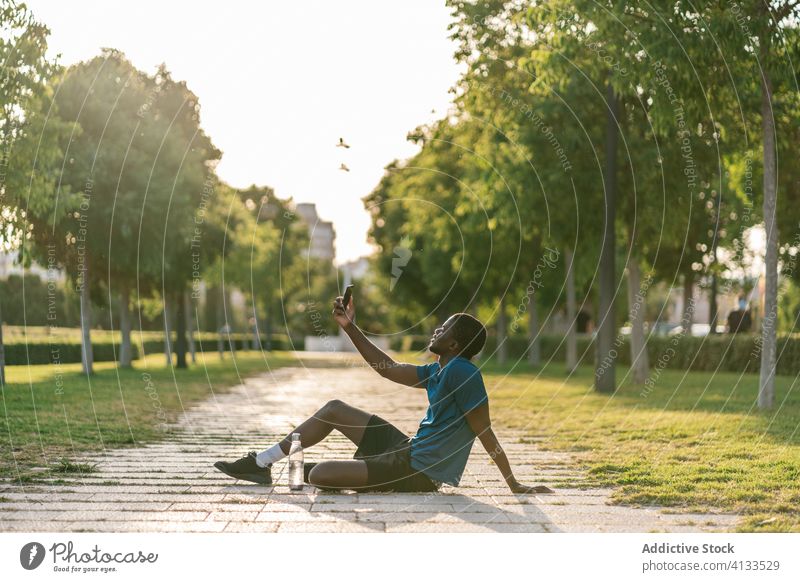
(344, 168)
(341, 144)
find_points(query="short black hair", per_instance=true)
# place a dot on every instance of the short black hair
(469, 333)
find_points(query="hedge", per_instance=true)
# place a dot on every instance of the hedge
(239, 342)
(64, 353)
(70, 352)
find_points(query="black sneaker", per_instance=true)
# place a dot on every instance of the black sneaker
(246, 469)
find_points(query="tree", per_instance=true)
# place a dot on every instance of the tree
(765, 30)
(560, 34)
(787, 117)
(109, 158)
(186, 159)
(553, 120)
(417, 210)
(254, 261)
(29, 146)
(286, 279)
(744, 51)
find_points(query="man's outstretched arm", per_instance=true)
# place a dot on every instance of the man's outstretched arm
(379, 360)
(481, 425)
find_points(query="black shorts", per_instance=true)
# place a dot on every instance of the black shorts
(387, 452)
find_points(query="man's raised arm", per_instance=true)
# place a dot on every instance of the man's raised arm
(379, 361)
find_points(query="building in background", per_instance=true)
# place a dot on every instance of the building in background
(320, 232)
(354, 270)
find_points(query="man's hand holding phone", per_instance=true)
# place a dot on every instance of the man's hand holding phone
(344, 313)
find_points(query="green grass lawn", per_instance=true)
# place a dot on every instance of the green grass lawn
(695, 442)
(43, 334)
(51, 413)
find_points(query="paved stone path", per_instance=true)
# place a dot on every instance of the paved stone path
(172, 486)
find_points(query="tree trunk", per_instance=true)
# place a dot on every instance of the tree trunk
(256, 337)
(2, 354)
(766, 390)
(125, 348)
(572, 330)
(535, 351)
(167, 329)
(210, 316)
(604, 378)
(687, 317)
(87, 355)
(640, 365)
(226, 325)
(268, 329)
(190, 320)
(220, 311)
(180, 331)
(713, 310)
(502, 333)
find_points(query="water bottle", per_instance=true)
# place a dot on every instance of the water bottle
(296, 464)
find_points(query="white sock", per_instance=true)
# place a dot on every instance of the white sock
(269, 456)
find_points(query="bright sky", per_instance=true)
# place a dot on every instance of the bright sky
(280, 82)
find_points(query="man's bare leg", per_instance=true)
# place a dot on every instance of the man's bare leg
(339, 475)
(348, 420)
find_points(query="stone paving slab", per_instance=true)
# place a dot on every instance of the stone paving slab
(172, 486)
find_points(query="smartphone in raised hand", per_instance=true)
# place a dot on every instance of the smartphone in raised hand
(348, 293)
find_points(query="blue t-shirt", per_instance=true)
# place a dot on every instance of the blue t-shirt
(441, 447)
